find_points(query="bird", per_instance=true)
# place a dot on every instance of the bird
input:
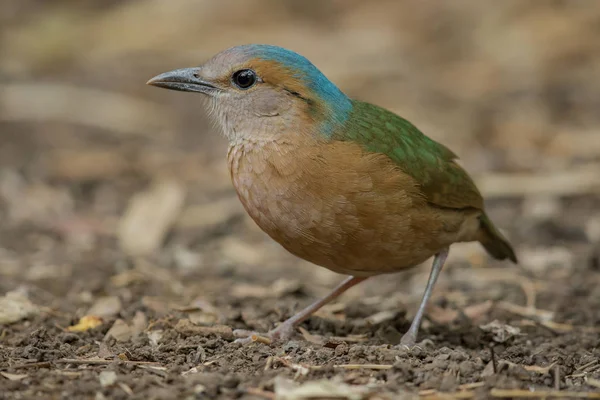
(342, 183)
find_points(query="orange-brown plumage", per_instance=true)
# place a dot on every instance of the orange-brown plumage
(340, 207)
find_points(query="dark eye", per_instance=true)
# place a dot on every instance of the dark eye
(244, 78)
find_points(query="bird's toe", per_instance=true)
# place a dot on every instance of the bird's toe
(411, 346)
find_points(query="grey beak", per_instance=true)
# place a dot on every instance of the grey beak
(184, 80)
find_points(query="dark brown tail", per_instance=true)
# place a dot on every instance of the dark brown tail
(494, 242)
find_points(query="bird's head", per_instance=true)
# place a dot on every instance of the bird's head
(263, 90)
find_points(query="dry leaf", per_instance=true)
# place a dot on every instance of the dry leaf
(193, 370)
(287, 389)
(107, 378)
(204, 217)
(381, 316)
(592, 229)
(441, 315)
(154, 337)
(187, 328)
(15, 306)
(149, 217)
(541, 315)
(108, 306)
(447, 315)
(284, 286)
(279, 288)
(202, 318)
(538, 369)
(125, 388)
(156, 304)
(185, 259)
(489, 368)
(540, 259)
(500, 332)
(350, 338)
(241, 252)
(476, 311)
(592, 381)
(86, 323)
(201, 312)
(309, 337)
(139, 323)
(13, 377)
(247, 290)
(104, 352)
(127, 278)
(120, 331)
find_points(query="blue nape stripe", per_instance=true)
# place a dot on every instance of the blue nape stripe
(337, 101)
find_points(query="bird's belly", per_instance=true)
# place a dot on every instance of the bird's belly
(360, 218)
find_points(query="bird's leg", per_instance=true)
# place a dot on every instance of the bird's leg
(285, 330)
(410, 337)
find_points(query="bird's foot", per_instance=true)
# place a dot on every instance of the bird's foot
(282, 333)
(409, 343)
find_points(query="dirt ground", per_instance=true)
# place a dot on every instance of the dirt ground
(126, 259)
(166, 322)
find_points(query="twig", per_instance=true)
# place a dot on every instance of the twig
(432, 394)
(261, 393)
(539, 324)
(124, 387)
(527, 284)
(155, 369)
(464, 393)
(473, 385)
(535, 368)
(287, 363)
(186, 327)
(586, 365)
(541, 315)
(556, 377)
(353, 366)
(310, 337)
(568, 327)
(516, 393)
(528, 288)
(101, 362)
(594, 370)
(269, 363)
(350, 338)
(494, 363)
(592, 381)
(558, 183)
(42, 364)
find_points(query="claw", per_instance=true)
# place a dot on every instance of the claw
(409, 347)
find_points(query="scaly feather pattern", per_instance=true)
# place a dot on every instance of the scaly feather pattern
(339, 206)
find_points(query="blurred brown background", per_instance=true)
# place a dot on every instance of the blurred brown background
(513, 87)
(98, 169)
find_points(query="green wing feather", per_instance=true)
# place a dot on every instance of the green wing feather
(444, 183)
